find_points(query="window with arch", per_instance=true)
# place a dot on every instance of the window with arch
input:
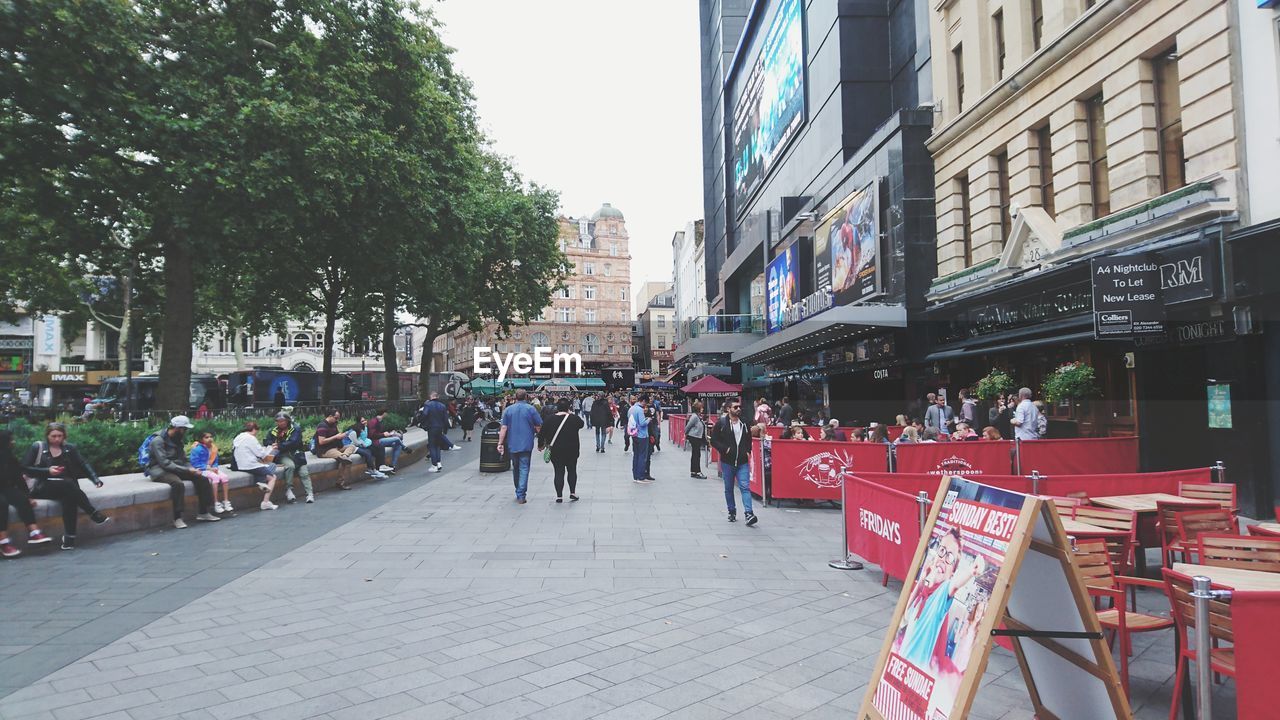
(540, 339)
(301, 340)
(591, 343)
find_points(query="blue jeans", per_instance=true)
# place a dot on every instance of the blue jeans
(435, 440)
(396, 445)
(520, 472)
(741, 474)
(639, 457)
(602, 432)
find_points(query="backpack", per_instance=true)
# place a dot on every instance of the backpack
(144, 450)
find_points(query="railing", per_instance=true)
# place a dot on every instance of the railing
(724, 325)
(349, 408)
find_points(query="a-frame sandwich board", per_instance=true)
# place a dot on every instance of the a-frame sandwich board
(993, 563)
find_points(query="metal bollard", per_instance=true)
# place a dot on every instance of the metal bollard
(922, 500)
(1036, 477)
(1220, 472)
(1202, 595)
(848, 563)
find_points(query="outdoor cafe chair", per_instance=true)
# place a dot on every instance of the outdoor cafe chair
(1167, 528)
(1222, 660)
(1191, 524)
(1258, 553)
(1258, 531)
(1064, 505)
(1222, 493)
(1116, 521)
(1092, 561)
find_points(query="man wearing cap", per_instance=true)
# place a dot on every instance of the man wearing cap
(167, 463)
(291, 455)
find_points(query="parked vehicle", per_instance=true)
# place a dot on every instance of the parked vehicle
(260, 386)
(204, 390)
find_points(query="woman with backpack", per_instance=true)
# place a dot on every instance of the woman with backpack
(57, 468)
(560, 436)
(13, 491)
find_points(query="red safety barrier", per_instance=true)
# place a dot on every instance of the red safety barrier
(1253, 614)
(757, 468)
(967, 459)
(811, 469)
(1080, 456)
(915, 482)
(1120, 483)
(675, 429)
(882, 524)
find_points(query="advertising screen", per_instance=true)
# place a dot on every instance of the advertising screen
(852, 235)
(781, 287)
(770, 100)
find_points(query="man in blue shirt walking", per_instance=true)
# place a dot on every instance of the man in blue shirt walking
(520, 425)
(638, 431)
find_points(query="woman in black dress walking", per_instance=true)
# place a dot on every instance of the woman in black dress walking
(560, 433)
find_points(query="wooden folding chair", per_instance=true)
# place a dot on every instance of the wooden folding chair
(1259, 531)
(1116, 521)
(1093, 562)
(1167, 527)
(1221, 660)
(1258, 553)
(1222, 493)
(1064, 505)
(1191, 524)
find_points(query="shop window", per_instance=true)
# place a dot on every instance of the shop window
(1044, 151)
(1099, 183)
(1169, 120)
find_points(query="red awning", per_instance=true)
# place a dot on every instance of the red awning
(711, 385)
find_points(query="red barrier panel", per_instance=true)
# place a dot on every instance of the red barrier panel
(915, 482)
(883, 525)
(1257, 634)
(810, 469)
(1081, 456)
(675, 429)
(967, 459)
(1121, 483)
(757, 468)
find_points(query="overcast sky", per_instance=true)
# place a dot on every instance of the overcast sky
(598, 99)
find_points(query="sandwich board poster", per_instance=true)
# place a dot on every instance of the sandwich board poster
(962, 585)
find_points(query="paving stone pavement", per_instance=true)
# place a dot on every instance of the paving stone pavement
(445, 600)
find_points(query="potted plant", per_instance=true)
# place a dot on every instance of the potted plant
(1072, 381)
(996, 382)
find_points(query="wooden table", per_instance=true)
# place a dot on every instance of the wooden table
(1074, 527)
(1233, 578)
(1146, 502)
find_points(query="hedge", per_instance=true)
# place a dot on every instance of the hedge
(111, 447)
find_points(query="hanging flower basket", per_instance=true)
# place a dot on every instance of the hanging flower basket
(1073, 381)
(996, 382)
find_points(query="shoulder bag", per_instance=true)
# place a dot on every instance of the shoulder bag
(546, 454)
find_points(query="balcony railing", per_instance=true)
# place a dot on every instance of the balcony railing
(724, 325)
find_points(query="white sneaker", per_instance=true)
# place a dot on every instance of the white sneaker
(434, 468)
(226, 506)
(385, 468)
(267, 505)
(381, 476)
(208, 517)
(289, 496)
(179, 525)
(455, 447)
(311, 498)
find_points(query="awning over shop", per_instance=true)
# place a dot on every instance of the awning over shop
(711, 386)
(821, 331)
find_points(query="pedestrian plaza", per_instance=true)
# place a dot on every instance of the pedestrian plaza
(436, 596)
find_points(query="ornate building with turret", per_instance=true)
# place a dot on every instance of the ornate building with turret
(590, 315)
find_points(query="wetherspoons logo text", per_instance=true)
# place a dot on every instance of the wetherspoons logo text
(541, 362)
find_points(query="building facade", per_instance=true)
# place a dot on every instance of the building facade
(825, 202)
(1076, 139)
(658, 332)
(591, 315)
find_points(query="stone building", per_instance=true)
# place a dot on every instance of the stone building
(590, 315)
(658, 331)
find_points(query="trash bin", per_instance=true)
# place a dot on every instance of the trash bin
(491, 461)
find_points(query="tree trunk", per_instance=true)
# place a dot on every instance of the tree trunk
(173, 389)
(389, 359)
(330, 323)
(123, 341)
(237, 340)
(424, 371)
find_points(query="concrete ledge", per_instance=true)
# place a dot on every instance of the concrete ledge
(135, 503)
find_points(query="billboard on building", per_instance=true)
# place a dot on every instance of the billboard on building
(781, 283)
(851, 236)
(770, 105)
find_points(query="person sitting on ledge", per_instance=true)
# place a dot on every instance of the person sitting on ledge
(13, 491)
(57, 467)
